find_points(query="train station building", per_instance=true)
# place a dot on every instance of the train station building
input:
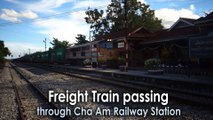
(186, 42)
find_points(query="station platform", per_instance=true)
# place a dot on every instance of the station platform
(137, 74)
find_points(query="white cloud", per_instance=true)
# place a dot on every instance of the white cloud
(192, 7)
(142, 1)
(78, 16)
(164, 0)
(85, 4)
(46, 5)
(8, 18)
(42, 6)
(169, 16)
(13, 16)
(64, 29)
(11, 13)
(28, 14)
(100, 4)
(17, 48)
(13, 1)
(68, 28)
(169, 0)
(172, 4)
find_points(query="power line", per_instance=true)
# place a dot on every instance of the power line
(44, 17)
(68, 12)
(33, 20)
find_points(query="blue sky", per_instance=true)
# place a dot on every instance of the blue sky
(24, 24)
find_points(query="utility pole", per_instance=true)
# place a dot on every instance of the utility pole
(45, 42)
(126, 34)
(91, 47)
(29, 51)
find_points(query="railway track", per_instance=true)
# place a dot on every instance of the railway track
(201, 96)
(60, 81)
(8, 106)
(29, 97)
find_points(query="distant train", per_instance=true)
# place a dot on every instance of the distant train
(76, 55)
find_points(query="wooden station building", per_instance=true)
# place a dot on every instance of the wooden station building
(187, 41)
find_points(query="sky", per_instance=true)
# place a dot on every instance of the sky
(24, 24)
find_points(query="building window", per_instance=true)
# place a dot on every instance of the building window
(94, 46)
(74, 54)
(102, 45)
(82, 53)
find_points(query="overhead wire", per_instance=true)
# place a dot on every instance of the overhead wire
(64, 13)
(44, 17)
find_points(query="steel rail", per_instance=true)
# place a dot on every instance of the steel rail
(181, 94)
(36, 89)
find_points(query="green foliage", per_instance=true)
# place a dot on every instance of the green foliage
(152, 63)
(87, 62)
(4, 51)
(136, 13)
(97, 21)
(121, 61)
(102, 61)
(59, 44)
(81, 39)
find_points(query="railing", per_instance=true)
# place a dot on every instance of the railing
(185, 70)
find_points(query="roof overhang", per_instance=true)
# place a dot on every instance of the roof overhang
(178, 21)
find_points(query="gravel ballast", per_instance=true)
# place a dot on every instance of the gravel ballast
(8, 105)
(47, 80)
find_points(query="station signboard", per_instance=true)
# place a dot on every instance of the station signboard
(201, 47)
(109, 45)
(120, 44)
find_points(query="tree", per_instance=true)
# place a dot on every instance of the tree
(4, 51)
(59, 44)
(134, 13)
(99, 24)
(115, 14)
(81, 39)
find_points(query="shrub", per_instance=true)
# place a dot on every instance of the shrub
(102, 61)
(87, 62)
(121, 61)
(152, 63)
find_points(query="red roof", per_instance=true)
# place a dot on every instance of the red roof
(165, 34)
(113, 35)
(174, 34)
(130, 32)
(188, 20)
(183, 32)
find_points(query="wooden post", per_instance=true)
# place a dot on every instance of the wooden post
(127, 52)
(126, 35)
